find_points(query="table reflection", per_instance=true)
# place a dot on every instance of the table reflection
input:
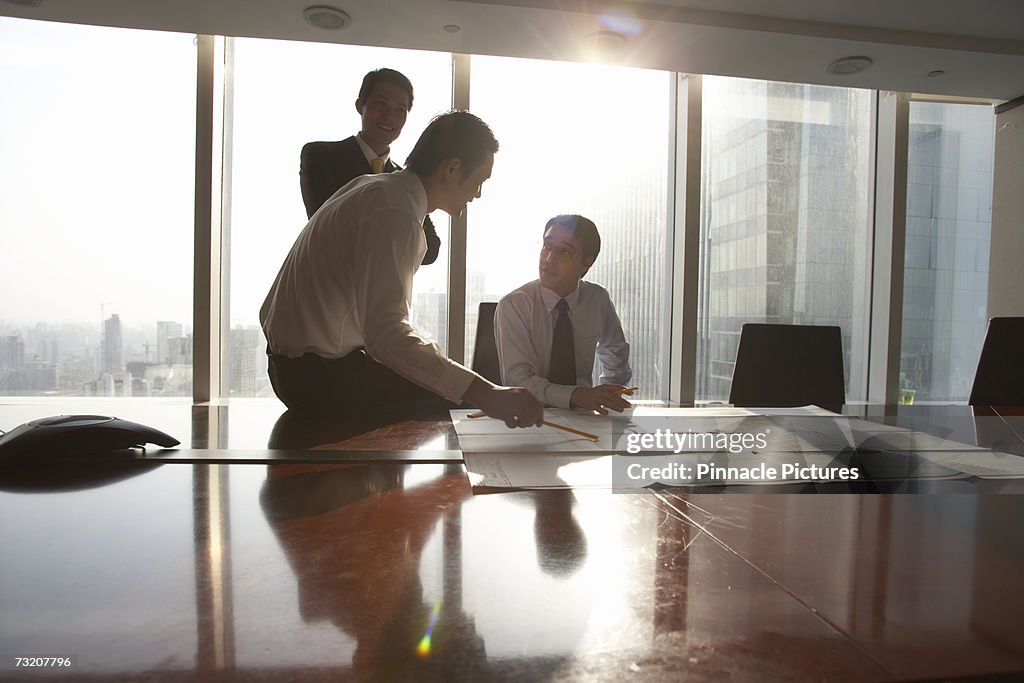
(354, 537)
(367, 433)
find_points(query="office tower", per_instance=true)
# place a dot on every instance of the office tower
(12, 353)
(12, 360)
(113, 345)
(475, 292)
(48, 349)
(165, 330)
(631, 266)
(179, 350)
(248, 360)
(784, 228)
(429, 312)
(37, 377)
(949, 214)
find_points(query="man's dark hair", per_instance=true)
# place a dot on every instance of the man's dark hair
(583, 229)
(384, 75)
(452, 135)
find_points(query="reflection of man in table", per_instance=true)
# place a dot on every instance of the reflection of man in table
(384, 101)
(337, 316)
(549, 330)
(354, 536)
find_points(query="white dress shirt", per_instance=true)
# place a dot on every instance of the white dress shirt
(524, 324)
(368, 151)
(347, 283)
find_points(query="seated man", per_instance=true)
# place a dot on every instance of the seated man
(336, 319)
(548, 330)
(384, 101)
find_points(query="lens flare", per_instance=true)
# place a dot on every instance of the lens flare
(423, 649)
(621, 20)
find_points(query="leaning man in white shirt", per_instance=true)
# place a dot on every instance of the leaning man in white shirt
(526, 326)
(336, 319)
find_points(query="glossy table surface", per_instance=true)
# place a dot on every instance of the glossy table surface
(392, 571)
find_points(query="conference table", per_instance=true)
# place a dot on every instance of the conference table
(269, 548)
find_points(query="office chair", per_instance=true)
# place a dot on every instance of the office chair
(789, 365)
(999, 379)
(485, 349)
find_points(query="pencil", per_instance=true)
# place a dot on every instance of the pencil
(628, 391)
(592, 437)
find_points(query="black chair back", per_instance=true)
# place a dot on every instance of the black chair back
(999, 379)
(485, 349)
(789, 365)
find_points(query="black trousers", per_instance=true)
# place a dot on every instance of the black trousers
(353, 386)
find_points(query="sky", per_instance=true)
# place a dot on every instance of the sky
(96, 167)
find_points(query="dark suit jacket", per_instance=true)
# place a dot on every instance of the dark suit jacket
(326, 166)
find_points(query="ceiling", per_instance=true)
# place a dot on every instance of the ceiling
(978, 45)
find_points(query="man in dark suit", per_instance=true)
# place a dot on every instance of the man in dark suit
(384, 101)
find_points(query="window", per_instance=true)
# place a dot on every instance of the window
(286, 94)
(949, 214)
(97, 183)
(576, 138)
(96, 202)
(785, 225)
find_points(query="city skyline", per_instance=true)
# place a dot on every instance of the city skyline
(69, 358)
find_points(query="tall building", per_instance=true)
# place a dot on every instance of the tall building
(166, 330)
(12, 361)
(48, 349)
(949, 215)
(430, 312)
(37, 377)
(12, 353)
(784, 228)
(248, 358)
(179, 350)
(113, 345)
(632, 223)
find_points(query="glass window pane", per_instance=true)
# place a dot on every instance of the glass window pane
(784, 219)
(97, 132)
(286, 94)
(949, 214)
(576, 138)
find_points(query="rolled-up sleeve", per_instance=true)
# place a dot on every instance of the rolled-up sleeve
(613, 350)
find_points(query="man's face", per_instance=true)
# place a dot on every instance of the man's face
(561, 260)
(383, 112)
(460, 192)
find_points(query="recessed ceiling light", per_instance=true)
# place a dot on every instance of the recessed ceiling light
(325, 17)
(452, 28)
(936, 73)
(849, 65)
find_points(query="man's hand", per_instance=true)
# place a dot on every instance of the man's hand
(516, 407)
(600, 398)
